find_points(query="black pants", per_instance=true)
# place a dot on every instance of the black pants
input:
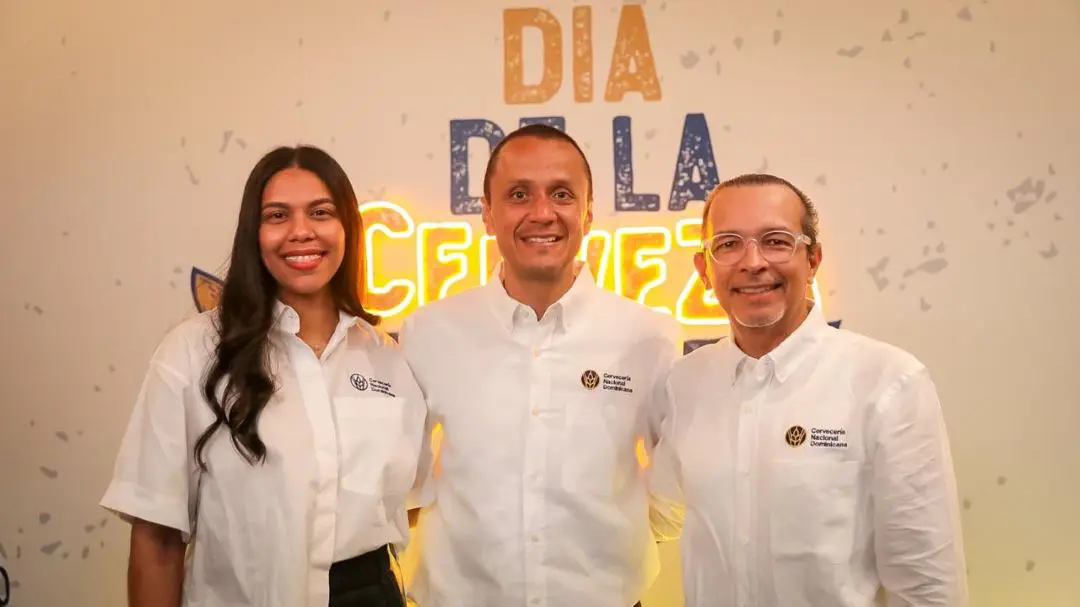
(365, 581)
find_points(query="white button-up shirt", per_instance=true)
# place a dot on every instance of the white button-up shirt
(540, 500)
(343, 435)
(819, 474)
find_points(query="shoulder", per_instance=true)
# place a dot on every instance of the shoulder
(633, 317)
(187, 345)
(453, 309)
(874, 357)
(702, 362)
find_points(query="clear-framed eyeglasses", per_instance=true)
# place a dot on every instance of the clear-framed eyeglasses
(777, 246)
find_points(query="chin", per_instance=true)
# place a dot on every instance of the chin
(757, 319)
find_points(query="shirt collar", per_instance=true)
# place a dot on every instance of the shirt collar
(567, 310)
(786, 357)
(287, 320)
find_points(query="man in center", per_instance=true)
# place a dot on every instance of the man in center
(543, 385)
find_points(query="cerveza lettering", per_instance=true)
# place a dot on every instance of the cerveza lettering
(616, 383)
(828, 437)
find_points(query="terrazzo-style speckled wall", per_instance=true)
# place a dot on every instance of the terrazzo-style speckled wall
(941, 141)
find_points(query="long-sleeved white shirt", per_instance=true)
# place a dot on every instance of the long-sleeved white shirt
(343, 435)
(540, 500)
(819, 474)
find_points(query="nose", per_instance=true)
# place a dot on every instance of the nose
(300, 228)
(752, 260)
(543, 210)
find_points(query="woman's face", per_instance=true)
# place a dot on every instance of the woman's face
(301, 237)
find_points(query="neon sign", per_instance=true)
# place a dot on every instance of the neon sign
(650, 264)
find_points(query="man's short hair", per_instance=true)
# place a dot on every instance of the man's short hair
(539, 131)
(809, 224)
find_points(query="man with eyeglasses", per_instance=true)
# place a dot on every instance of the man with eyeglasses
(803, 465)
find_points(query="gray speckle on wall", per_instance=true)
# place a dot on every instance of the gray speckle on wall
(1029, 566)
(717, 68)
(689, 59)
(907, 62)
(191, 175)
(386, 15)
(881, 231)
(993, 47)
(738, 43)
(1050, 252)
(89, 528)
(930, 225)
(1001, 480)
(918, 34)
(97, 388)
(930, 266)
(50, 548)
(924, 305)
(967, 504)
(429, 156)
(85, 552)
(776, 37)
(940, 248)
(404, 119)
(712, 49)
(1057, 217)
(764, 165)
(821, 180)
(49, 472)
(1026, 193)
(299, 102)
(849, 52)
(240, 142)
(887, 36)
(1050, 197)
(183, 141)
(1050, 169)
(964, 14)
(649, 134)
(876, 272)
(1006, 242)
(904, 15)
(225, 137)
(38, 310)
(44, 518)
(3, 553)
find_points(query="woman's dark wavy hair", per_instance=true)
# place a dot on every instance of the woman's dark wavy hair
(245, 314)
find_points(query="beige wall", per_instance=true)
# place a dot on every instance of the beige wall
(940, 140)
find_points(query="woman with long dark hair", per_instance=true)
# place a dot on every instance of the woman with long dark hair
(275, 438)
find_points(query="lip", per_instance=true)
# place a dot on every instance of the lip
(768, 288)
(304, 260)
(552, 239)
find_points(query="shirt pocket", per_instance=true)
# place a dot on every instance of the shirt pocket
(369, 430)
(600, 457)
(814, 506)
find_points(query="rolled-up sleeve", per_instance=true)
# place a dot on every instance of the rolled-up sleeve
(151, 476)
(918, 541)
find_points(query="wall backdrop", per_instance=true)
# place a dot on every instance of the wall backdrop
(940, 140)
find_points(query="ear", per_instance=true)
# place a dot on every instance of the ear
(586, 224)
(815, 260)
(485, 213)
(702, 269)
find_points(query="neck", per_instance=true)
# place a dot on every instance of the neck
(756, 342)
(538, 295)
(318, 316)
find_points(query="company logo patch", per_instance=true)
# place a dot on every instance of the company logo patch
(590, 379)
(795, 436)
(358, 381)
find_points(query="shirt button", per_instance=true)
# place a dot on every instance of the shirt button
(536, 411)
(534, 538)
(744, 541)
(536, 600)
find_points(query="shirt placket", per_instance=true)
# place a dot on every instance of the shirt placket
(316, 399)
(537, 337)
(752, 390)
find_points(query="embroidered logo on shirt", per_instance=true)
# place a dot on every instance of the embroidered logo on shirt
(617, 383)
(795, 436)
(828, 437)
(363, 384)
(590, 379)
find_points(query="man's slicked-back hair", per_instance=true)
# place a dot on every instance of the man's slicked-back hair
(809, 224)
(539, 131)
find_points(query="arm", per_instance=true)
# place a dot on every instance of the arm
(156, 565)
(422, 493)
(151, 480)
(664, 482)
(917, 537)
(666, 511)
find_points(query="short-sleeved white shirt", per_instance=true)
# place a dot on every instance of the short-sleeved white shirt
(343, 434)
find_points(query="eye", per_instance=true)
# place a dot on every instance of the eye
(274, 216)
(518, 195)
(323, 213)
(563, 196)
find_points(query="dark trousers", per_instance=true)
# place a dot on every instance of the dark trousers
(365, 581)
